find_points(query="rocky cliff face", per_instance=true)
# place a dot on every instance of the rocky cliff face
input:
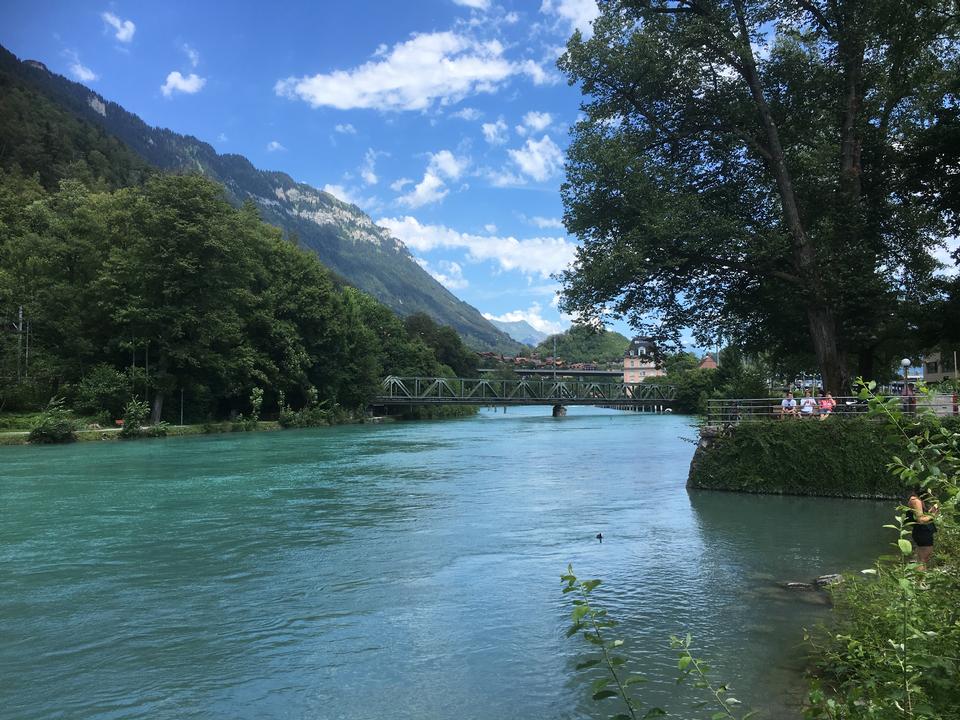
(344, 238)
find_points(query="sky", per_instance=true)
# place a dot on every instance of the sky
(445, 120)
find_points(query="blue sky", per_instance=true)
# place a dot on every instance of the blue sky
(445, 120)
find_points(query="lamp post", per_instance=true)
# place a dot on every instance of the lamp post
(905, 364)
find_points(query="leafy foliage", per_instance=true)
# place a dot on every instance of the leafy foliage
(746, 169)
(56, 424)
(134, 416)
(166, 287)
(894, 651)
(774, 457)
(586, 344)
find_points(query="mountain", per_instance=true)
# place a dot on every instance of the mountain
(521, 331)
(344, 238)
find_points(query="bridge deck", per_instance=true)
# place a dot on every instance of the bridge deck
(523, 391)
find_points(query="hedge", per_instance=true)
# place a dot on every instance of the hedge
(844, 458)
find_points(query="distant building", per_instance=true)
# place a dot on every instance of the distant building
(640, 360)
(708, 363)
(939, 366)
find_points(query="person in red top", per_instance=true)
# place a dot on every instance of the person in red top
(827, 404)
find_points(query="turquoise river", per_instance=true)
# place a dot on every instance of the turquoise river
(403, 571)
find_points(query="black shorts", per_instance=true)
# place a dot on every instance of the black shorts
(923, 535)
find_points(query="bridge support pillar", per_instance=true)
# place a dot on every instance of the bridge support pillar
(559, 411)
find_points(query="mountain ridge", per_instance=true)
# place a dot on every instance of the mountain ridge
(342, 236)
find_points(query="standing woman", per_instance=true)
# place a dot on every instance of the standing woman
(922, 517)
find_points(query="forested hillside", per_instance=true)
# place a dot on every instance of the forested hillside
(150, 290)
(117, 280)
(344, 238)
(583, 344)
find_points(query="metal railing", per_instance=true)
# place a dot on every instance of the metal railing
(735, 410)
(522, 391)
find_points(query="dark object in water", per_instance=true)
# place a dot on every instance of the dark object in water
(600, 537)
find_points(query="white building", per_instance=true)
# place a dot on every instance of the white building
(639, 361)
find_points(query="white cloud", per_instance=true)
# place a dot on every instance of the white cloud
(124, 28)
(447, 273)
(544, 223)
(536, 73)
(505, 178)
(398, 185)
(191, 54)
(577, 14)
(341, 193)
(490, 228)
(539, 160)
(533, 316)
(541, 256)
(176, 82)
(222, 137)
(537, 121)
(345, 129)
(429, 190)
(367, 170)
(448, 164)
(511, 18)
(495, 133)
(467, 113)
(80, 71)
(432, 188)
(430, 68)
(274, 146)
(475, 4)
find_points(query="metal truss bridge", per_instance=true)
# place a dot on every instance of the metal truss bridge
(522, 391)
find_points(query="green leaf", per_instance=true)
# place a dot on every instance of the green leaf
(719, 716)
(587, 664)
(684, 662)
(573, 629)
(578, 612)
(654, 713)
(634, 680)
(599, 684)
(905, 547)
(603, 694)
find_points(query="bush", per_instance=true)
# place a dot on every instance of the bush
(894, 651)
(134, 415)
(846, 458)
(56, 424)
(103, 390)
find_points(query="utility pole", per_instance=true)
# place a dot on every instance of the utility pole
(19, 326)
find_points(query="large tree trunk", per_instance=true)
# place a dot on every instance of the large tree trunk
(833, 366)
(157, 407)
(823, 325)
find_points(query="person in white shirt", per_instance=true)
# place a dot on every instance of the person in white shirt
(808, 405)
(788, 405)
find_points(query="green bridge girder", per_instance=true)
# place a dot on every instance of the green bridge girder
(522, 391)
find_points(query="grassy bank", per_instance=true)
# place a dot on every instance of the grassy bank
(841, 458)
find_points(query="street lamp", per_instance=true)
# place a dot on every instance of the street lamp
(905, 364)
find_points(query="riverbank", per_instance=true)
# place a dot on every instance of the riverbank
(21, 436)
(836, 458)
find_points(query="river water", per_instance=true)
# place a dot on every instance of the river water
(397, 571)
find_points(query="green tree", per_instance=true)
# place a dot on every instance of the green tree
(582, 343)
(741, 169)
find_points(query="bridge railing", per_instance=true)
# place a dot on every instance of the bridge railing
(735, 410)
(487, 391)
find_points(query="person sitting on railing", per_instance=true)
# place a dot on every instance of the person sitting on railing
(827, 404)
(788, 406)
(808, 405)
